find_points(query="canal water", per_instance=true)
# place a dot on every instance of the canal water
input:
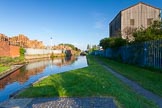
(32, 72)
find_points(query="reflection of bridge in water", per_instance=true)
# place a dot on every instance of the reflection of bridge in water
(23, 74)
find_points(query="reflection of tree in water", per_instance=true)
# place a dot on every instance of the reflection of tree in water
(63, 61)
(71, 59)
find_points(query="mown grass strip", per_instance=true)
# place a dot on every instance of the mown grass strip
(3, 68)
(149, 79)
(93, 80)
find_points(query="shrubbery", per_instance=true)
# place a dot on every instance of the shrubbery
(154, 32)
(112, 42)
(22, 51)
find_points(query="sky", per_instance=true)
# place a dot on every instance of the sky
(78, 22)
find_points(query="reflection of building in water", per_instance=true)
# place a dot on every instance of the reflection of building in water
(37, 64)
(23, 74)
(20, 75)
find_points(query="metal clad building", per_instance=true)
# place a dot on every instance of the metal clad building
(131, 18)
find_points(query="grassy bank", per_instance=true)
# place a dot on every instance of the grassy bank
(3, 68)
(93, 80)
(149, 79)
(7, 62)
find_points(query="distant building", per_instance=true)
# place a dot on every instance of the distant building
(131, 18)
(3, 37)
(22, 41)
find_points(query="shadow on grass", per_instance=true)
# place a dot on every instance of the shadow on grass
(71, 84)
(81, 83)
(40, 91)
(77, 85)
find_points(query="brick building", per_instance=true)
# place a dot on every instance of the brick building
(9, 46)
(132, 18)
(9, 50)
(3, 37)
(23, 41)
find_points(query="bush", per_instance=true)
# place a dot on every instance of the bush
(154, 32)
(22, 52)
(112, 42)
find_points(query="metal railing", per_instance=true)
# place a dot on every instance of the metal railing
(143, 54)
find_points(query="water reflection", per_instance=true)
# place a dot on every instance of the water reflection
(23, 74)
(36, 70)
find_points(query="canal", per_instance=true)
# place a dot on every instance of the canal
(32, 72)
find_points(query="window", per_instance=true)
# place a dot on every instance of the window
(149, 21)
(132, 22)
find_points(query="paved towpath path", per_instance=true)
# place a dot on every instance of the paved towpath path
(136, 87)
(89, 102)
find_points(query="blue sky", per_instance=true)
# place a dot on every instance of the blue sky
(79, 22)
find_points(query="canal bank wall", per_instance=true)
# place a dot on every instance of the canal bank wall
(31, 53)
(11, 70)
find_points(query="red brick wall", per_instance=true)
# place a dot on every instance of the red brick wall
(4, 48)
(8, 50)
(14, 51)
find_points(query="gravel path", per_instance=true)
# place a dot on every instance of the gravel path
(136, 87)
(72, 103)
(89, 102)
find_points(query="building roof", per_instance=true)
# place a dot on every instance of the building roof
(133, 6)
(143, 4)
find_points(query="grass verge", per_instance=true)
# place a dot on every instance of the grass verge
(3, 68)
(149, 79)
(93, 81)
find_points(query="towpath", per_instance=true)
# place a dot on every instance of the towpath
(136, 87)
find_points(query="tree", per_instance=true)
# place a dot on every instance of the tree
(153, 32)
(104, 43)
(128, 33)
(22, 52)
(71, 46)
(88, 47)
(112, 42)
(94, 47)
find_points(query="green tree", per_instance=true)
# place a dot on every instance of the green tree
(104, 43)
(22, 52)
(70, 45)
(88, 47)
(112, 42)
(153, 32)
(94, 47)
